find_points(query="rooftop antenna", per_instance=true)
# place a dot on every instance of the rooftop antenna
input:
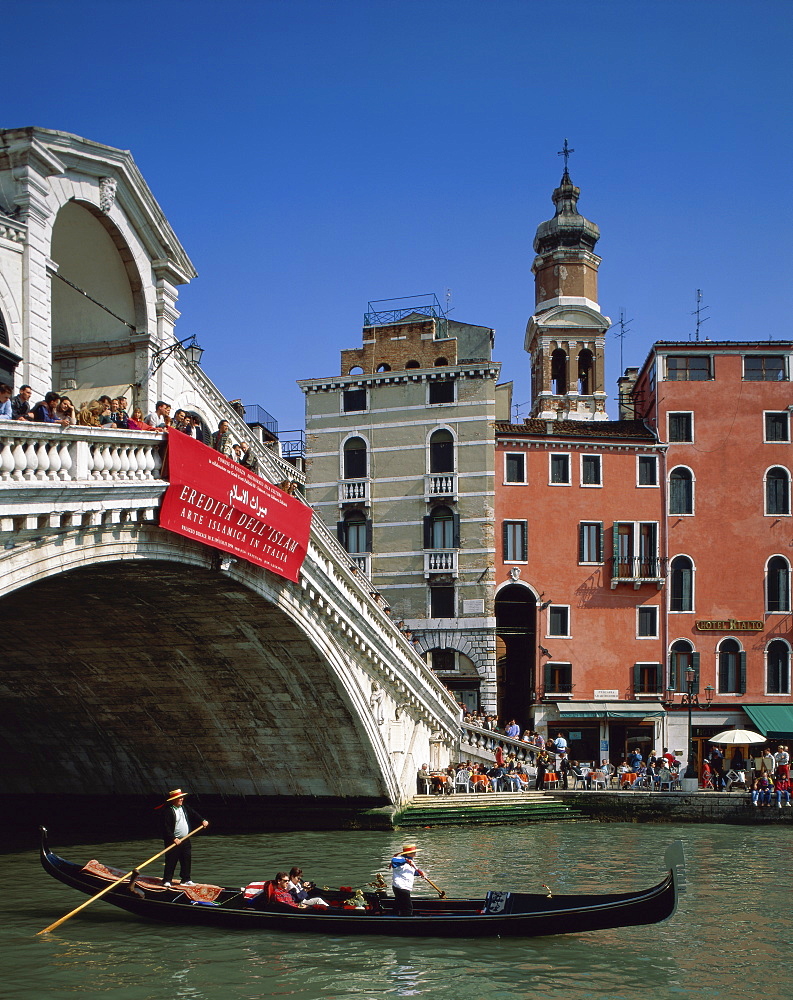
(517, 407)
(623, 331)
(565, 152)
(448, 300)
(698, 313)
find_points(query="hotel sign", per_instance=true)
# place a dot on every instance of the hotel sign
(729, 625)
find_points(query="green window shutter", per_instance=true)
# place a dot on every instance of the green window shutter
(581, 531)
(615, 551)
(525, 538)
(547, 675)
(505, 539)
(427, 531)
(673, 671)
(659, 678)
(742, 673)
(369, 535)
(455, 530)
(340, 532)
(695, 665)
(637, 678)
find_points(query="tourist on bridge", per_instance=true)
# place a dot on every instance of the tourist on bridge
(404, 872)
(161, 416)
(20, 404)
(6, 410)
(179, 820)
(221, 439)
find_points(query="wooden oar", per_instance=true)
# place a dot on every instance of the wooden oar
(440, 892)
(112, 885)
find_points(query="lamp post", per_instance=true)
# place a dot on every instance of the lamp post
(690, 699)
(191, 349)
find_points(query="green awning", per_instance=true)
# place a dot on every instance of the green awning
(610, 710)
(773, 721)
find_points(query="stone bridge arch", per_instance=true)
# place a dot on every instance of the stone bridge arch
(138, 660)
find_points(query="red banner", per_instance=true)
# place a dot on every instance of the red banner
(215, 500)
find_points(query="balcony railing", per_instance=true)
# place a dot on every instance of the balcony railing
(440, 485)
(354, 491)
(440, 561)
(638, 570)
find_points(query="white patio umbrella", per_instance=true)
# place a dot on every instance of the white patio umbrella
(737, 736)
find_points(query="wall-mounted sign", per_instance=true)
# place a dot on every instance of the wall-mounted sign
(729, 625)
(215, 500)
(607, 695)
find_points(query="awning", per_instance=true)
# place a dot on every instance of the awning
(773, 721)
(610, 710)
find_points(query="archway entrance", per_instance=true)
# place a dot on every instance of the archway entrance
(516, 617)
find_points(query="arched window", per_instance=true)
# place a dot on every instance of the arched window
(355, 370)
(777, 491)
(355, 458)
(586, 372)
(681, 584)
(355, 532)
(412, 364)
(558, 372)
(442, 451)
(777, 675)
(384, 368)
(732, 667)
(777, 585)
(441, 529)
(440, 362)
(681, 491)
(682, 658)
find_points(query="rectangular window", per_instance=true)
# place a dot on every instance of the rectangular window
(442, 392)
(647, 678)
(777, 426)
(648, 470)
(765, 368)
(688, 368)
(560, 470)
(515, 541)
(590, 542)
(515, 467)
(591, 470)
(441, 602)
(443, 659)
(354, 400)
(681, 426)
(558, 678)
(647, 622)
(559, 620)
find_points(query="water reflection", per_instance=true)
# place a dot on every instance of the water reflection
(729, 938)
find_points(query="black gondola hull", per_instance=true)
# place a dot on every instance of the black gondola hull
(463, 918)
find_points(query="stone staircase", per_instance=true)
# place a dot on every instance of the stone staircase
(498, 807)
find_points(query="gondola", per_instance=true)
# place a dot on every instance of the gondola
(498, 913)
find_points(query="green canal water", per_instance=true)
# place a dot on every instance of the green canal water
(730, 937)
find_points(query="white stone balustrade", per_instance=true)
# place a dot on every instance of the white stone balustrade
(440, 561)
(47, 453)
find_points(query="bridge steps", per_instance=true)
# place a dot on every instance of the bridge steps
(500, 807)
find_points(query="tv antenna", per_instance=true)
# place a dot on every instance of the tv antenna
(621, 333)
(448, 296)
(698, 313)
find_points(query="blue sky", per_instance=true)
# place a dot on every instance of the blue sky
(312, 156)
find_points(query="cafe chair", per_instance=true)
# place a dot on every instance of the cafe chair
(462, 781)
(599, 779)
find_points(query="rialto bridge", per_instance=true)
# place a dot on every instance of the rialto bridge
(137, 660)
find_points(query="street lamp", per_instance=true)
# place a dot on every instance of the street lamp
(191, 349)
(690, 699)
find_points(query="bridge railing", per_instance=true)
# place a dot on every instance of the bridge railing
(475, 740)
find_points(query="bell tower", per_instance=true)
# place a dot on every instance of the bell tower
(566, 336)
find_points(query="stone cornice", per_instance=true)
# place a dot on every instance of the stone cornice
(475, 370)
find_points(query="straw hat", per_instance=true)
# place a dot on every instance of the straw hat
(409, 849)
(177, 793)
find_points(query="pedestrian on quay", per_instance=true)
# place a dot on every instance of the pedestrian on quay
(178, 820)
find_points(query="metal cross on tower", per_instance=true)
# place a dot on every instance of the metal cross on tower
(565, 152)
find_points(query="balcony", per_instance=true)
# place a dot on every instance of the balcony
(638, 570)
(440, 561)
(440, 485)
(362, 561)
(354, 491)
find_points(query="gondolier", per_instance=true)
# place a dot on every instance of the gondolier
(404, 872)
(178, 820)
